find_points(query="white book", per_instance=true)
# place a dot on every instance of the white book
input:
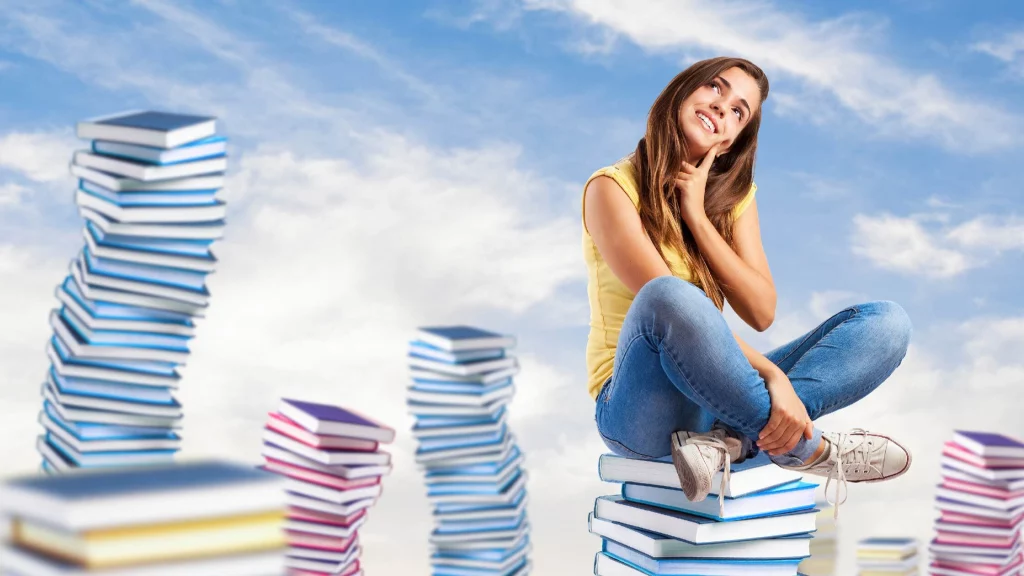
(52, 457)
(1010, 484)
(325, 529)
(482, 379)
(213, 146)
(322, 566)
(148, 128)
(94, 277)
(1008, 504)
(498, 478)
(498, 566)
(447, 458)
(118, 183)
(455, 399)
(112, 374)
(503, 498)
(109, 459)
(87, 446)
(82, 349)
(90, 335)
(151, 214)
(114, 390)
(71, 302)
(487, 410)
(149, 172)
(496, 513)
(346, 509)
(458, 338)
(147, 257)
(659, 546)
(975, 529)
(467, 369)
(329, 555)
(492, 540)
(786, 498)
(332, 495)
(341, 471)
(633, 561)
(88, 283)
(753, 475)
(108, 411)
(328, 457)
(423, 432)
(698, 529)
(982, 473)
(174, 231)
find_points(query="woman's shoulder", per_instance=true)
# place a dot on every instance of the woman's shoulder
(622, 173)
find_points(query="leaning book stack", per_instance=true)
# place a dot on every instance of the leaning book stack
(764, 525)
(331, 461)
(461, 387)
(147, 192)
(887, 557)
(981, 506)
(206, 518)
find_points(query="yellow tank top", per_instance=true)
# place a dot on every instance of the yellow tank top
(609, 297)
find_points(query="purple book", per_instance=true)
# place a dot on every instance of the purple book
(334, 421)
(989, 444)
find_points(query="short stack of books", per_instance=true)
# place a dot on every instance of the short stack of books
(981, 505)
(206, 518)
(332, 465)
(461, 387)
(147, 191)
(887, 557)
(651, 528)
(824, 548)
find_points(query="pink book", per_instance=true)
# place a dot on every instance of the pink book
(323, 517)
(318, 542)
(321, 478)
(960, 453)
(1012, 568)
(959, 539)
(280, 423)
(352, 570)
(981, 489)
(957, 518)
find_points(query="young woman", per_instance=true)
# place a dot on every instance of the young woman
(670, 234)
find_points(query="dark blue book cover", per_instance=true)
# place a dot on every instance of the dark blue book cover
(327, 413)
(161, 121)
(459, 332)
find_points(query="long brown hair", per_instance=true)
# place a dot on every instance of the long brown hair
(660, 154)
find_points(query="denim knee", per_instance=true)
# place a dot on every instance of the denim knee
(672, 297)
(891, 327)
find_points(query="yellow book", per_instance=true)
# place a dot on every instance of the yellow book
(895, 555)
(142, 544)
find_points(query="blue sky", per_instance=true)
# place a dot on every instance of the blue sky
(403, 163)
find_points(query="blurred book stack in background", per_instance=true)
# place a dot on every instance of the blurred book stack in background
(981, 506)
(206, 518)
(762, 526)
(461, 387)
(330, 459)
(887, 557)
(824, 545)
(147, 192)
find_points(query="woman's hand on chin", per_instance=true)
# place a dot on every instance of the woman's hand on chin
(691, 185)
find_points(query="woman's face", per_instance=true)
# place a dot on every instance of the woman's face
(717, 112)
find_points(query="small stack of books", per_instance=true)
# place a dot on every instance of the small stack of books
(147, 191)
(981, 505)
(887, 557)
(824, 549)
(205, 518)
(461, 385)
(651, 527)
(332, 467)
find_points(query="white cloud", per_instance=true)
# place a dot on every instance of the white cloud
(904, 245)
(12, 194)
(39, 156)
(1009, 49)
(990, 232)
(830, 56)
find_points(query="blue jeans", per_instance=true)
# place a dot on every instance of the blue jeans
(678, 367)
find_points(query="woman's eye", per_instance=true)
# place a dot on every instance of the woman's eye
(716, 88)
(738, 113)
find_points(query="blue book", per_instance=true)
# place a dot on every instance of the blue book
(334, 420)
(490, 469)
(123, 391)
(427, 445)
(82, 408)
(426, 422)
(138, 339)
(87, 448)
(420, 375)
(791, 497)
(459, 387)
(424, 350)
(989, 444)
(197, 248)
(109, 459)
(161, 275)
(458, 338)
(212, 147)
(697, 566)
(130, 368)
(144, 495)
(103, 310)
(95, 431)
(150, 198)
(148, 128)
(479, 488)
(486, 525)
(456, 509)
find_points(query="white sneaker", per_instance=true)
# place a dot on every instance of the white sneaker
(697, 456)
(858, 456)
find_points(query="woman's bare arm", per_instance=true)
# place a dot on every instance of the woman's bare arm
(743, 274)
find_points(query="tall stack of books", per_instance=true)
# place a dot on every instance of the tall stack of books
(824, 549)
(981, 506)
(205, 518)
(887, 557)
(332, 465)
(763, 526)
(461, 387)
(147, 191)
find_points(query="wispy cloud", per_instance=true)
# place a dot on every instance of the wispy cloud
(40, 156)
(928, 245)
(827, 56)
(1009, 49)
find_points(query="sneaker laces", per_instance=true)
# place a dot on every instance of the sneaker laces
(858, 453)
(717, 444)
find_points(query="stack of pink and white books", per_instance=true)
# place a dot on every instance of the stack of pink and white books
(981, 501)
(330, 458)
